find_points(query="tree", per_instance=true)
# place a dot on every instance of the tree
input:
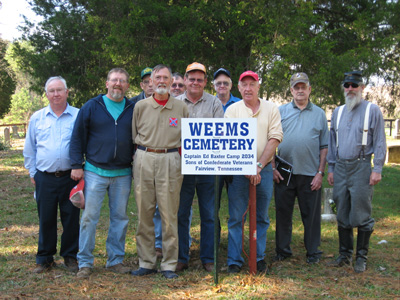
(7, 83)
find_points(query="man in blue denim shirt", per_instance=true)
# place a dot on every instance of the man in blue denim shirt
(46, 156)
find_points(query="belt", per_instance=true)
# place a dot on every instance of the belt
(147, 149)
(59, 173)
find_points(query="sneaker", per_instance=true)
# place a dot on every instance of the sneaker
(40, 268)
(234, 269)
(84, 272)
(262, 266)
(119, 268)
(169, 274)
(312, 260)
(71, 264)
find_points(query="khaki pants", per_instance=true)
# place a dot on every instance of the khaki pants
(157, 180)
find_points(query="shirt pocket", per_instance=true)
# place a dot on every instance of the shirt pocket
(43, 131)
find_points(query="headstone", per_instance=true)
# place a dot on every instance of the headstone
(328, 215)
(7, 136)
(396, 133)
(15, 134)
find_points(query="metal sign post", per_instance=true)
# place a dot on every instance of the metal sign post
(216, 227)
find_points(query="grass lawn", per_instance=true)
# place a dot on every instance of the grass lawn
(291, 279)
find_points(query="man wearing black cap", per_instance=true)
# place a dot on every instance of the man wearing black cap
(223, 86)
(146, 85)
(357, 132)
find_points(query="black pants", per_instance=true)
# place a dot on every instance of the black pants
(52, 192)
(310, 209)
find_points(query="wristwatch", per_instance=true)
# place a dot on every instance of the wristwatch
(260, 165)
(322, 173)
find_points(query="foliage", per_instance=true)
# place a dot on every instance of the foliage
(83, 39)
(3, 144)
(7, 83)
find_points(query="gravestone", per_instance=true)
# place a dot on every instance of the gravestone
(7, 136)
(396, 133)
(328, 215)
(15, 134)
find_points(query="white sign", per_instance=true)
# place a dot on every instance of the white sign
(219, 146)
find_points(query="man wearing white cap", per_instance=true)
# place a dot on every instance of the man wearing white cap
(200, 105)
(269, 135)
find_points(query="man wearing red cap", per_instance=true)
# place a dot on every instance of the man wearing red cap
(357, 132)
(269, 135)
(200, 105)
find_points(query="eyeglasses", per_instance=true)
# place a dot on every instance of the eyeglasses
(220, 83)
(180, 85)
(115, 80)
(353, 85)
(146, 82)
(59, 91)
(193, 80)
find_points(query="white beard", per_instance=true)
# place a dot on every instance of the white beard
(352, 100)
(161, 90)
(116, 94)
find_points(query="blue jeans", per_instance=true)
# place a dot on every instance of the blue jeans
(118, 189)
(204, 186)
(158, 228)
(238, 202)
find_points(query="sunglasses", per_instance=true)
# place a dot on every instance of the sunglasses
(353, 85)
(181, 85)
(220, 83)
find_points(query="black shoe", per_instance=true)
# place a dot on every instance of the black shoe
(233, 269)
(280, 257)
(71, 264)
(143, 272)
(340, 261)
(360, 265)
(40, 268)
(312, 260)
(262, 266)
(169, 274)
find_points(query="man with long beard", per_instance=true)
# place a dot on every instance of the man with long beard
(357, 132)
(156, 130)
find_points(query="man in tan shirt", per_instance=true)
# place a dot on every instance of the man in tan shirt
(156, 130)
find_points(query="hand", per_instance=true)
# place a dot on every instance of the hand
(255, 179)
(316, 183)
(77, 174)
(277, 177)
(330, 178)
(33, 181)
(375, 178)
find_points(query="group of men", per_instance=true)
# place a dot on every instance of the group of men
(112, 140)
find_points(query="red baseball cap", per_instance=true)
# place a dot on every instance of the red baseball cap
(76, 196)
(249, 74)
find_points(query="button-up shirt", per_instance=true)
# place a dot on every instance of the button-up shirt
(47, 140)
(208, 106)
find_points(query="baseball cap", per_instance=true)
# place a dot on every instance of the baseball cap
(299, 77)
(249, 74)
(353, 76)
(76, 195)
(196, 67)
(222, 71)
(146, 71)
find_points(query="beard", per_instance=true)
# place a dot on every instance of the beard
(352, 99)
(161, 89)
(116, 94)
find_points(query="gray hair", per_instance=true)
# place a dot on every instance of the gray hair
(158, 68)
(51, 79)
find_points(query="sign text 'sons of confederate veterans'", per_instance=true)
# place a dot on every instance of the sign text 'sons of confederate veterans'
(219, 146)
